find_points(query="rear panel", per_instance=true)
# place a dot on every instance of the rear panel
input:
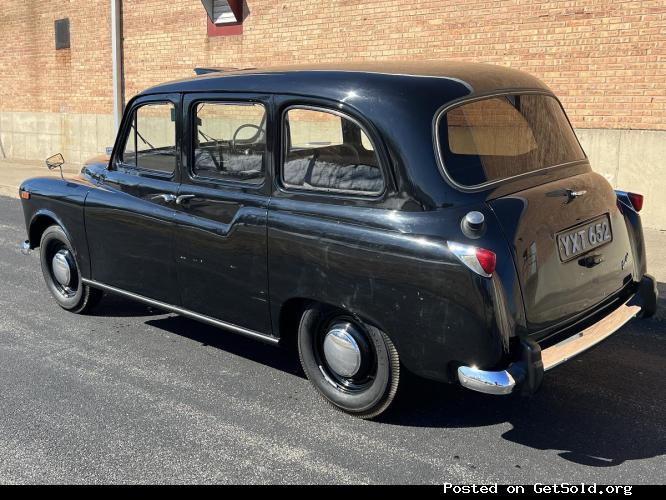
(568, 258)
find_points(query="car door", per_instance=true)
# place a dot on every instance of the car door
(130, 218)
(220, 244)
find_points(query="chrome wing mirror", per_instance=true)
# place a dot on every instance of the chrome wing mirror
(56, 161)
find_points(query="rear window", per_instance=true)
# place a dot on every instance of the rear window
(501, 137)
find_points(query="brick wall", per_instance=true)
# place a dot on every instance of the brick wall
(36, 77)
(606, 59)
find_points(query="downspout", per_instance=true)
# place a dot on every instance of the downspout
(117, 55)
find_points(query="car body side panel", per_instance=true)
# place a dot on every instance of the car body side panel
(405, 282)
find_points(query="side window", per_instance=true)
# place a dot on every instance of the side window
(230, 141)
(151, 139)
(329, 152)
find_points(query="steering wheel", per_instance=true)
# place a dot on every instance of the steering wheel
(246, 125)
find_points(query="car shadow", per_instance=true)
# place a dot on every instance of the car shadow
(117, 306)
(251, 349)
(585, 427)
(661, 301)
(599, 411)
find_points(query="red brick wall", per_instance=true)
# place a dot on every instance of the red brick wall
(36, 77)
(605, 59)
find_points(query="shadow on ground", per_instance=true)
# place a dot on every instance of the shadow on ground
(116, 306)
(253, 350)
(599, 410)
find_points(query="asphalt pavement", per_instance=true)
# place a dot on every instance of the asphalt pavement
(128, 394)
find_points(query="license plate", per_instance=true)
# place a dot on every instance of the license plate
(583, 238)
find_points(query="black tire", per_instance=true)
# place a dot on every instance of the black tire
(368, 393)
(77, 297)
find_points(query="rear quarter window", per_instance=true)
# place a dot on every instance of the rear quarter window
(329, 151)
(496, 138)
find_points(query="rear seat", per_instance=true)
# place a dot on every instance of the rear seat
(324, 174)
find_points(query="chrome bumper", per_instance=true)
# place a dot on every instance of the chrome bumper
(506, 381)
(25, 247)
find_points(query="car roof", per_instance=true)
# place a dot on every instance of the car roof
(450, 79)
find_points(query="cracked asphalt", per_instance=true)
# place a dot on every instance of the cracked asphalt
(128, 394)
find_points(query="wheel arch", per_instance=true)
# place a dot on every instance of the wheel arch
(291, 311)
(44, 218)
(40, 221)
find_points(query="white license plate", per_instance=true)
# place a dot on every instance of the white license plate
(583, 238)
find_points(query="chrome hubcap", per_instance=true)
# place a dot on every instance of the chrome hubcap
(62, 270)
(341, 350)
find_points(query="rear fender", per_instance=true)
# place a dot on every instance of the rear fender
(634, 225)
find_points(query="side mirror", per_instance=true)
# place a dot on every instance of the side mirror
(55, 161)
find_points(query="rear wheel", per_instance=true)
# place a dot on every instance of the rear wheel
(61, 272)
(354, 366)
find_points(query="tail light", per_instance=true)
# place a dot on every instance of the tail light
(636, 201)
(479, 260)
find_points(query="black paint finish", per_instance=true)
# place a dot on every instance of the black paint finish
(242, 253)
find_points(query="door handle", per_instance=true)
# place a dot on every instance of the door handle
(184, 197)
(166, 197)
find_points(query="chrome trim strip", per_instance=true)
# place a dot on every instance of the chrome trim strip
(184, 312)
(485, 185)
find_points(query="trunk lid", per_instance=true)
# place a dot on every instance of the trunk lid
(570, 252)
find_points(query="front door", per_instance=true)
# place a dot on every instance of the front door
(222, 209)
(130, 219)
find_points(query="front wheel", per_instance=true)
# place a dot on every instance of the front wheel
(354, 366)
(61, 272)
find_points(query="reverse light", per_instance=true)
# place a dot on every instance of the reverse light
(636, 201)
(479, 260)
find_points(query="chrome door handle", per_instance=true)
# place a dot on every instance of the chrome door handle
(184, 197)
(166, 197)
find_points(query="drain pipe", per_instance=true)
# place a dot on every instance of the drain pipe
(117, 54)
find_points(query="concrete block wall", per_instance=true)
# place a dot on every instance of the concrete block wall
(632, 160)
(27, 135)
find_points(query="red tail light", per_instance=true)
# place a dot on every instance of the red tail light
(636, 201)
(479, 260)
(487, 260)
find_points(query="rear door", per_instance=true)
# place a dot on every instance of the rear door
(222, 209)
(130, 219)
(569, 240)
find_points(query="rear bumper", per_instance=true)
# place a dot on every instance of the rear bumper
(527, 373)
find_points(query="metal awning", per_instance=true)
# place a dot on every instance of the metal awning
(223, 11)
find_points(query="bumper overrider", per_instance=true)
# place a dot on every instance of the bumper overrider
(526, 375)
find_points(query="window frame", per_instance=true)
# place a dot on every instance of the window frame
(193, 102)
(485, 185)
(328, 191)
(126, 127)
